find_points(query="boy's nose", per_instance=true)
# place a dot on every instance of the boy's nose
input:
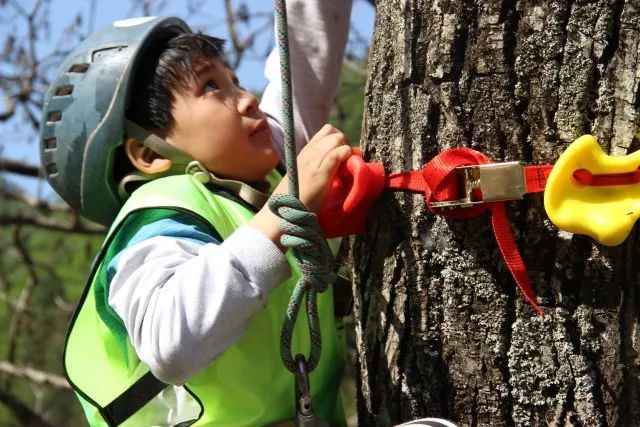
(247, 102)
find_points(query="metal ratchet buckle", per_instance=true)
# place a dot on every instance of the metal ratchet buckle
(496, 182)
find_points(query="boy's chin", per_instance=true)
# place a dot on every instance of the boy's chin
(274, 158)
(264, 171)
(273, 154)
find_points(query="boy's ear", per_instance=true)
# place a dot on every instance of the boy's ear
(144, 159)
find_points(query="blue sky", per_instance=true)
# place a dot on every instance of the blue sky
(211, 21)
(16, 132)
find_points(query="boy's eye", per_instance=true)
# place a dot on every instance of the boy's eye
(210, 86)
(236, 82)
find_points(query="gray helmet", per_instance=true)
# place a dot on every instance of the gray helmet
(83, 119)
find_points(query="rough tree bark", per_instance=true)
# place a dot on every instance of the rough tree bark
(441, 328)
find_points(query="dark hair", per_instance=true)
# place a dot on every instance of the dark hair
(168, 66)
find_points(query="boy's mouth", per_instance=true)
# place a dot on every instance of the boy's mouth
(260, 127)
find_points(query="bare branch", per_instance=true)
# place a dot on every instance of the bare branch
(23, 87)
(27, 85)
(13, 303)
(39, 221)
(34, 375)
(19, 8)
(266, 26)
(10, 109)
(35, 9)
(21, 412)
(63, 305)
(34, 202)
(35, 103)
(21, 168)
(10, 77)
(41, 218)
(238, 46)
(35, 123)
(25, 294)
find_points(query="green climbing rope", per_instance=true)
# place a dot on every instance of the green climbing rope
(301, 231)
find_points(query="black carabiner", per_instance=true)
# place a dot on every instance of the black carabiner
(304, 386)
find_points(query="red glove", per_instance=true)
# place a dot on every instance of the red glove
(355, 187)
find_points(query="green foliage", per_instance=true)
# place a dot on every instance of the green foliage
(56, 267)
(348, 107)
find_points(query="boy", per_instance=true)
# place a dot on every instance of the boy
(180, 320)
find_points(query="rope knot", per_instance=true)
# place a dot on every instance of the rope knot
(303, 234)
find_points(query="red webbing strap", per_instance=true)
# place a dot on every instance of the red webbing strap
(409, 181)
(439, 184)
(510, 253)
(585, 177)
(535, 177)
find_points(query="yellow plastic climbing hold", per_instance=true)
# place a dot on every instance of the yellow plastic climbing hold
(589, 192)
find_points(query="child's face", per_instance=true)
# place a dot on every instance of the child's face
(218, 123)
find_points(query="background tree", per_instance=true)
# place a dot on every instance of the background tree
(441, 327)
(46, 249)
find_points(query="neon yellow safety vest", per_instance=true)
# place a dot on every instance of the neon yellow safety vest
(247, 385)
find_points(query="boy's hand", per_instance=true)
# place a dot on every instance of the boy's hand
(318, 163)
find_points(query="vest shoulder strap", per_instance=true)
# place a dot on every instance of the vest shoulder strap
(132, 400)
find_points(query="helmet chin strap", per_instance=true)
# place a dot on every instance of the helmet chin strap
(182, 163)
(255, 198)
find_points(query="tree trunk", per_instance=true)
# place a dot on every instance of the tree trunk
(441, 328)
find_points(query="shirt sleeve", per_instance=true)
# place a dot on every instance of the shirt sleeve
(184, 298)
(318, 32)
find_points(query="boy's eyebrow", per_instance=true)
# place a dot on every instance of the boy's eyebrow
(206, 69)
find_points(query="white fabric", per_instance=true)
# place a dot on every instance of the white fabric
(318, 32)
(183, 303)
(170, 407)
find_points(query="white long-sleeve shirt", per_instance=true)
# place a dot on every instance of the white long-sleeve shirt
(183, 295)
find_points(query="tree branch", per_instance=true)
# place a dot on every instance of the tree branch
(34, 202)
(10, 109)
(19, 8)
(75, 226)
(21, 412)
(34, 375)
(12, 303)
(25, 294)
(21, 168)
(238, 46)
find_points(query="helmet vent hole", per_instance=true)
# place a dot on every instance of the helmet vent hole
(54, 116)
(52, 168)
(79, 68)
(64, 90)
(50, 143)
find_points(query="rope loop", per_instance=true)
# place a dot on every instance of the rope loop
(302, 234)
(301, 230)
